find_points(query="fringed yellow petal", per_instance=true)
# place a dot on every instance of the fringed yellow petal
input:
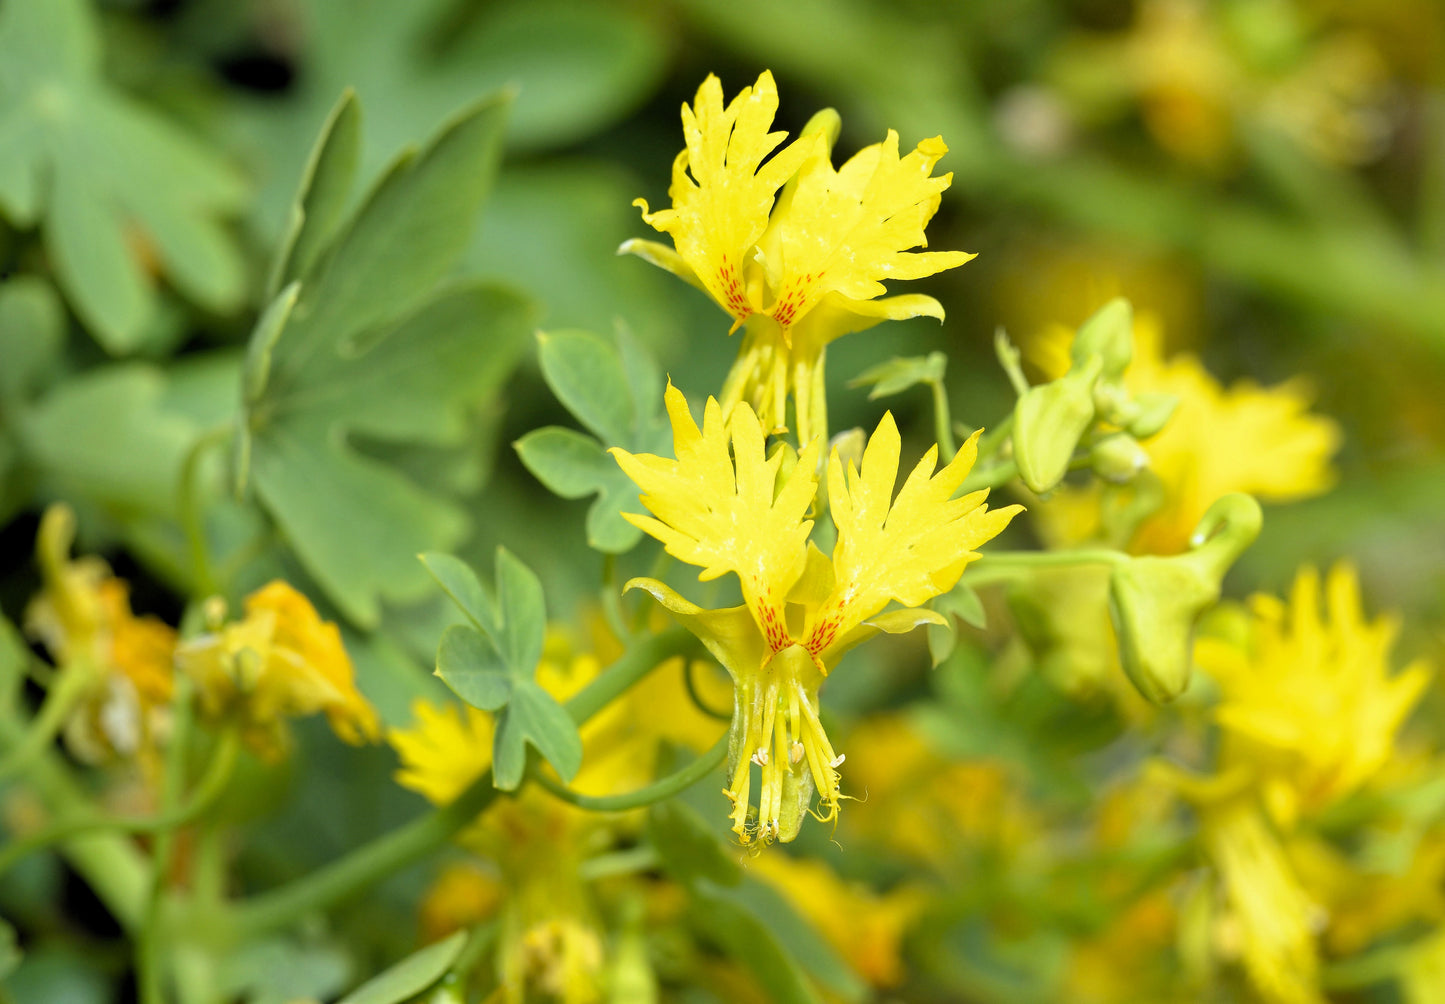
(846, 230)
(907, 549)
(1310, 694)
(722, 191)
(729, 510)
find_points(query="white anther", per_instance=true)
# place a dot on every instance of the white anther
(760, 757)
(838, 760)
(795, 753)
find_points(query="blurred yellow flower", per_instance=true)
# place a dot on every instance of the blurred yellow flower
(1270, 924)
(867, 928)
(464, 893)
(801, 268)
(1309, 702)
(1129, 959)
(926, 807)
(447, 748)
(1261, 441)
(1204, 74)
(84, 619)
(737, 510)
(1423, 978)
(1365, 903)
(281, 660)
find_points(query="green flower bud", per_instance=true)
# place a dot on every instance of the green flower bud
(1117, 458)
(1048, 421)
(1152, 412)
(827, 122)
(1154, 602)
(1108, 334)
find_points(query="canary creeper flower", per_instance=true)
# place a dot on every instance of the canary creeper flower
(1309, 702)
(1261, 441)
(726, 506)
(281, 660)
(83, 617)
(803, 266)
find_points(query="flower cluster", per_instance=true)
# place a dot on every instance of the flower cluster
(791, 247)
(727, 506)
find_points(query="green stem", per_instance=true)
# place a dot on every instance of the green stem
(1011, 360)
(188, 507)
(1366, 970)
(374, 861)
(212, 783)
(641, 858)
(69, 687)
(656, 792)
(611, 597)
(151, 953)
(999, 566)
(992, 475)
(622, 674)
(362, 867)
(688, 670)
(110, 864)
(943, 421)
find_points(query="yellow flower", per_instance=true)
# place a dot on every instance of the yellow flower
(448, 747)
(801, 268)
(1309, 702)
(1261, 441)
(867, 928)
(280, 660)
(742, 512)
(1269, 922)
(84, 618)
(1270, 917)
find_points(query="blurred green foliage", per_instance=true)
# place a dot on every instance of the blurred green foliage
(366, 347)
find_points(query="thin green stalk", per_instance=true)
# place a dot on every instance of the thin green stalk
(622, 674)
(111, 865)
(374, 861)
(1000, 566)
(656, 792)
(611, 597)
(943, 421)
(1368, 969)
(992, 475)
(188, 507)
(1431, 212)
(151, 952)
(207, 790)
(364, 866)
(70, 686)
(641, 858)
(688, 678)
